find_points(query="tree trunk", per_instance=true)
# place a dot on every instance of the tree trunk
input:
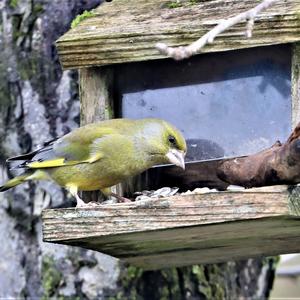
(38, 102)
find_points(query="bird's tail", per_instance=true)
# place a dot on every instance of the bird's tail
(15, 181)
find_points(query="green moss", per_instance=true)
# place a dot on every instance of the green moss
(68, 298)
(5, 97)
(203, 285)
(128, 283)
(179, 3)
(13, 3)
(86, 14)
(17, 20)
(174, 4)
(51, 277)
(193, 2)
(133, 272)
(28, 68)
(38, 9)
(197, 270)
(298, 17)
(271, 261)
(108, 112)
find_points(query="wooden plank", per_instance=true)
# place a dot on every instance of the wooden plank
(127, 31)
(295, 84)
(184, 229)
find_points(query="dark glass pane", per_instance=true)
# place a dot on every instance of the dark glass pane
(229, 103)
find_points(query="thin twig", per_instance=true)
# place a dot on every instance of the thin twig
(179, 53)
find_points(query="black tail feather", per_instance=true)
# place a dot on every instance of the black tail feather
(4, 188)
(27, 156)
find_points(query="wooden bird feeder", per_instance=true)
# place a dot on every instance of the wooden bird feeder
(236, 98)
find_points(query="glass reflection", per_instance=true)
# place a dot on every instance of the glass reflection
(230, 103)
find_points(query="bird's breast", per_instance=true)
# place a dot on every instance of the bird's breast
(101, 174)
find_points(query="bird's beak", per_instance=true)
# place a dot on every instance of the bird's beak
(176, 157)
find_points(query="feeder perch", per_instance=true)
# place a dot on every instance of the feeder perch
(185, 230)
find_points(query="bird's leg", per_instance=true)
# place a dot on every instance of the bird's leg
(74, 192)
(79, 201)
(120, 198)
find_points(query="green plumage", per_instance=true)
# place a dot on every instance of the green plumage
(100, 155)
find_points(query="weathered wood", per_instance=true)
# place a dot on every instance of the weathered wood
(96, 102)
(295, 84)
(131, 33)
(184, 229)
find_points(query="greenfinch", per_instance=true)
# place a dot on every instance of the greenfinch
(100, 155)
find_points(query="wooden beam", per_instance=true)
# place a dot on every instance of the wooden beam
(131, 33)
(295, 84)
(184, 229)
(96, 102)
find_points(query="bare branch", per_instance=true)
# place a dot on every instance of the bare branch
(179, 53)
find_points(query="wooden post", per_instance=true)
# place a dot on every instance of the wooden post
(96, 104)
(295, 84)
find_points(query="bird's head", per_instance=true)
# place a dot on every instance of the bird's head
(164, 143)
(175, 146)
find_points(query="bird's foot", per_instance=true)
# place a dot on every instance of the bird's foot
(120, 198)
(81, 204)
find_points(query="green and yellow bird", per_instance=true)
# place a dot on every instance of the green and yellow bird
(100, 155)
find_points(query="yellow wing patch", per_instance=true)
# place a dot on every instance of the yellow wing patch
(47, 163)
(60, 162)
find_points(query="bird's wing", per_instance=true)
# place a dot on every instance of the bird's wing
(79, 146)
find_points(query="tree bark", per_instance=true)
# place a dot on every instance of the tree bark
(38, 102)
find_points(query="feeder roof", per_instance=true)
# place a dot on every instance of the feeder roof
(127, 31)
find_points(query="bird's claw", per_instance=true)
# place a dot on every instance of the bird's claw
(81, 204)
(120, 198)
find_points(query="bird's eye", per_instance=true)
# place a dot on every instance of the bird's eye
(172, 140)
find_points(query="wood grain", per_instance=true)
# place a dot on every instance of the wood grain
(96, 102)
(295, 84)
(127, 31)
(184, 229)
